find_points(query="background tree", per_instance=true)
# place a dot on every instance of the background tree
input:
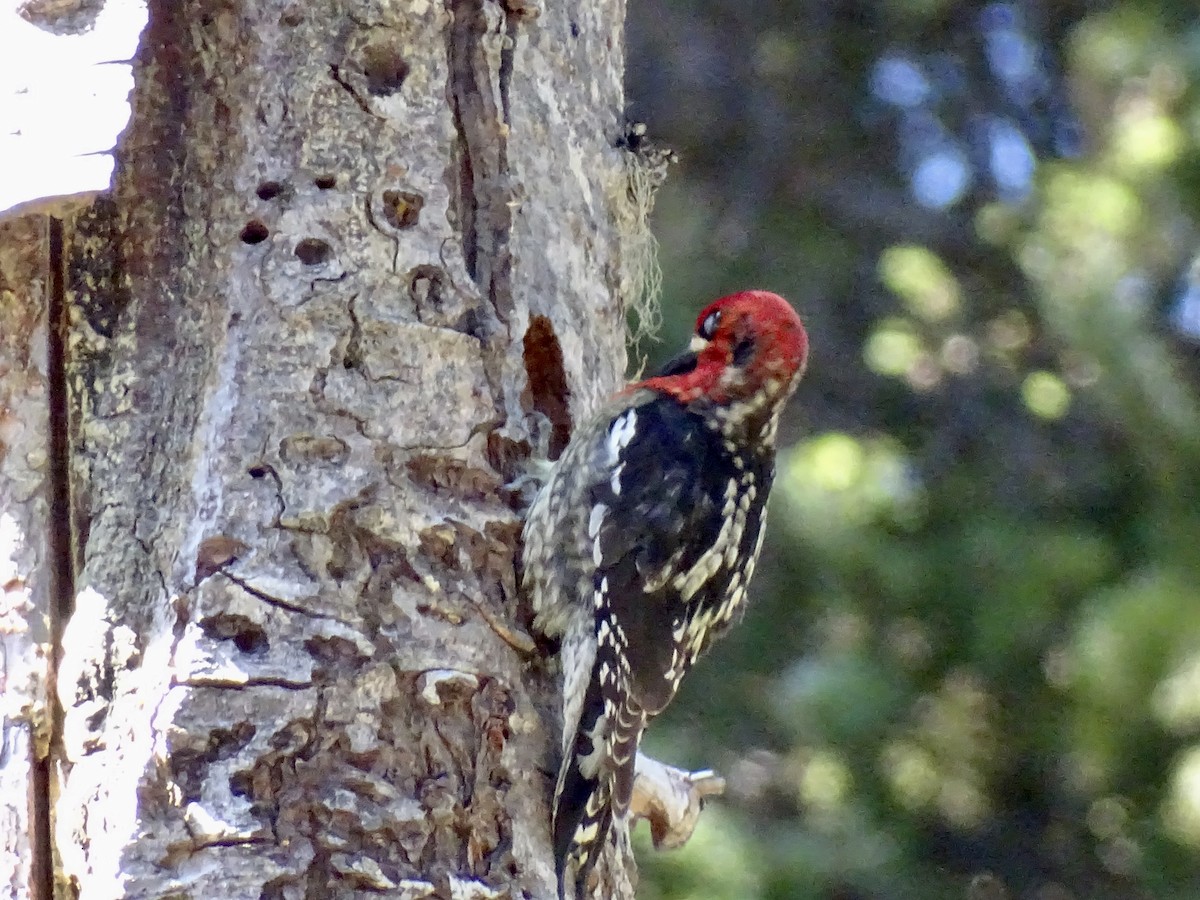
(974, 643)
(359, 261)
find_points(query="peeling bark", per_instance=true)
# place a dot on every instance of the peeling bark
(361, 261)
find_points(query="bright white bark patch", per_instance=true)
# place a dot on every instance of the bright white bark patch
(64, 99)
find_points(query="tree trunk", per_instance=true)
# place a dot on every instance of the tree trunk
(361, 259)
(28, 572)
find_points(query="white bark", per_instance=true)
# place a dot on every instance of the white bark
(64, 97)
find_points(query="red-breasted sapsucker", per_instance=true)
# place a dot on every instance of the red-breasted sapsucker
(640, 545)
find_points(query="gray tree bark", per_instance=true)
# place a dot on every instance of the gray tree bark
(360, 261)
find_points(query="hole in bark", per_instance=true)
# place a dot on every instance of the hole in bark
(292, 16)
(427, 285)
(402, 209)
(325, 182)
(385, 69)
(189, 766)
(294, 738)
(257, 471)
(255, 232)
(574, 30)
(313, 251)
(548, 380)
(473, 323)
(252, 642)
(246, 635)
(352, 357)
(269, 190)
(333, 650)
(241, 784)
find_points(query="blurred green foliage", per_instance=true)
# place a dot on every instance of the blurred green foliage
(971, 668)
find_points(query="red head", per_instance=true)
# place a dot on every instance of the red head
(749, 351)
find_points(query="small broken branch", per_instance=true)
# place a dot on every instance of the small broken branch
(670, 799)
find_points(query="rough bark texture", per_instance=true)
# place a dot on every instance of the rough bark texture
(361, 259)
(26, 556)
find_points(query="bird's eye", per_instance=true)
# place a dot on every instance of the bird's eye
(709, 326)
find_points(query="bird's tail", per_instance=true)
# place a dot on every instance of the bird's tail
(595, 782)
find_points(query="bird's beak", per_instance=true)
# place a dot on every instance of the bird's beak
(680, 365)
(698, 344)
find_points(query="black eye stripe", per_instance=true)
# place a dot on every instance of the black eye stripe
(709, 326)
(742, 351)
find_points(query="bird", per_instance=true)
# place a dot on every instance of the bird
(640, 544)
